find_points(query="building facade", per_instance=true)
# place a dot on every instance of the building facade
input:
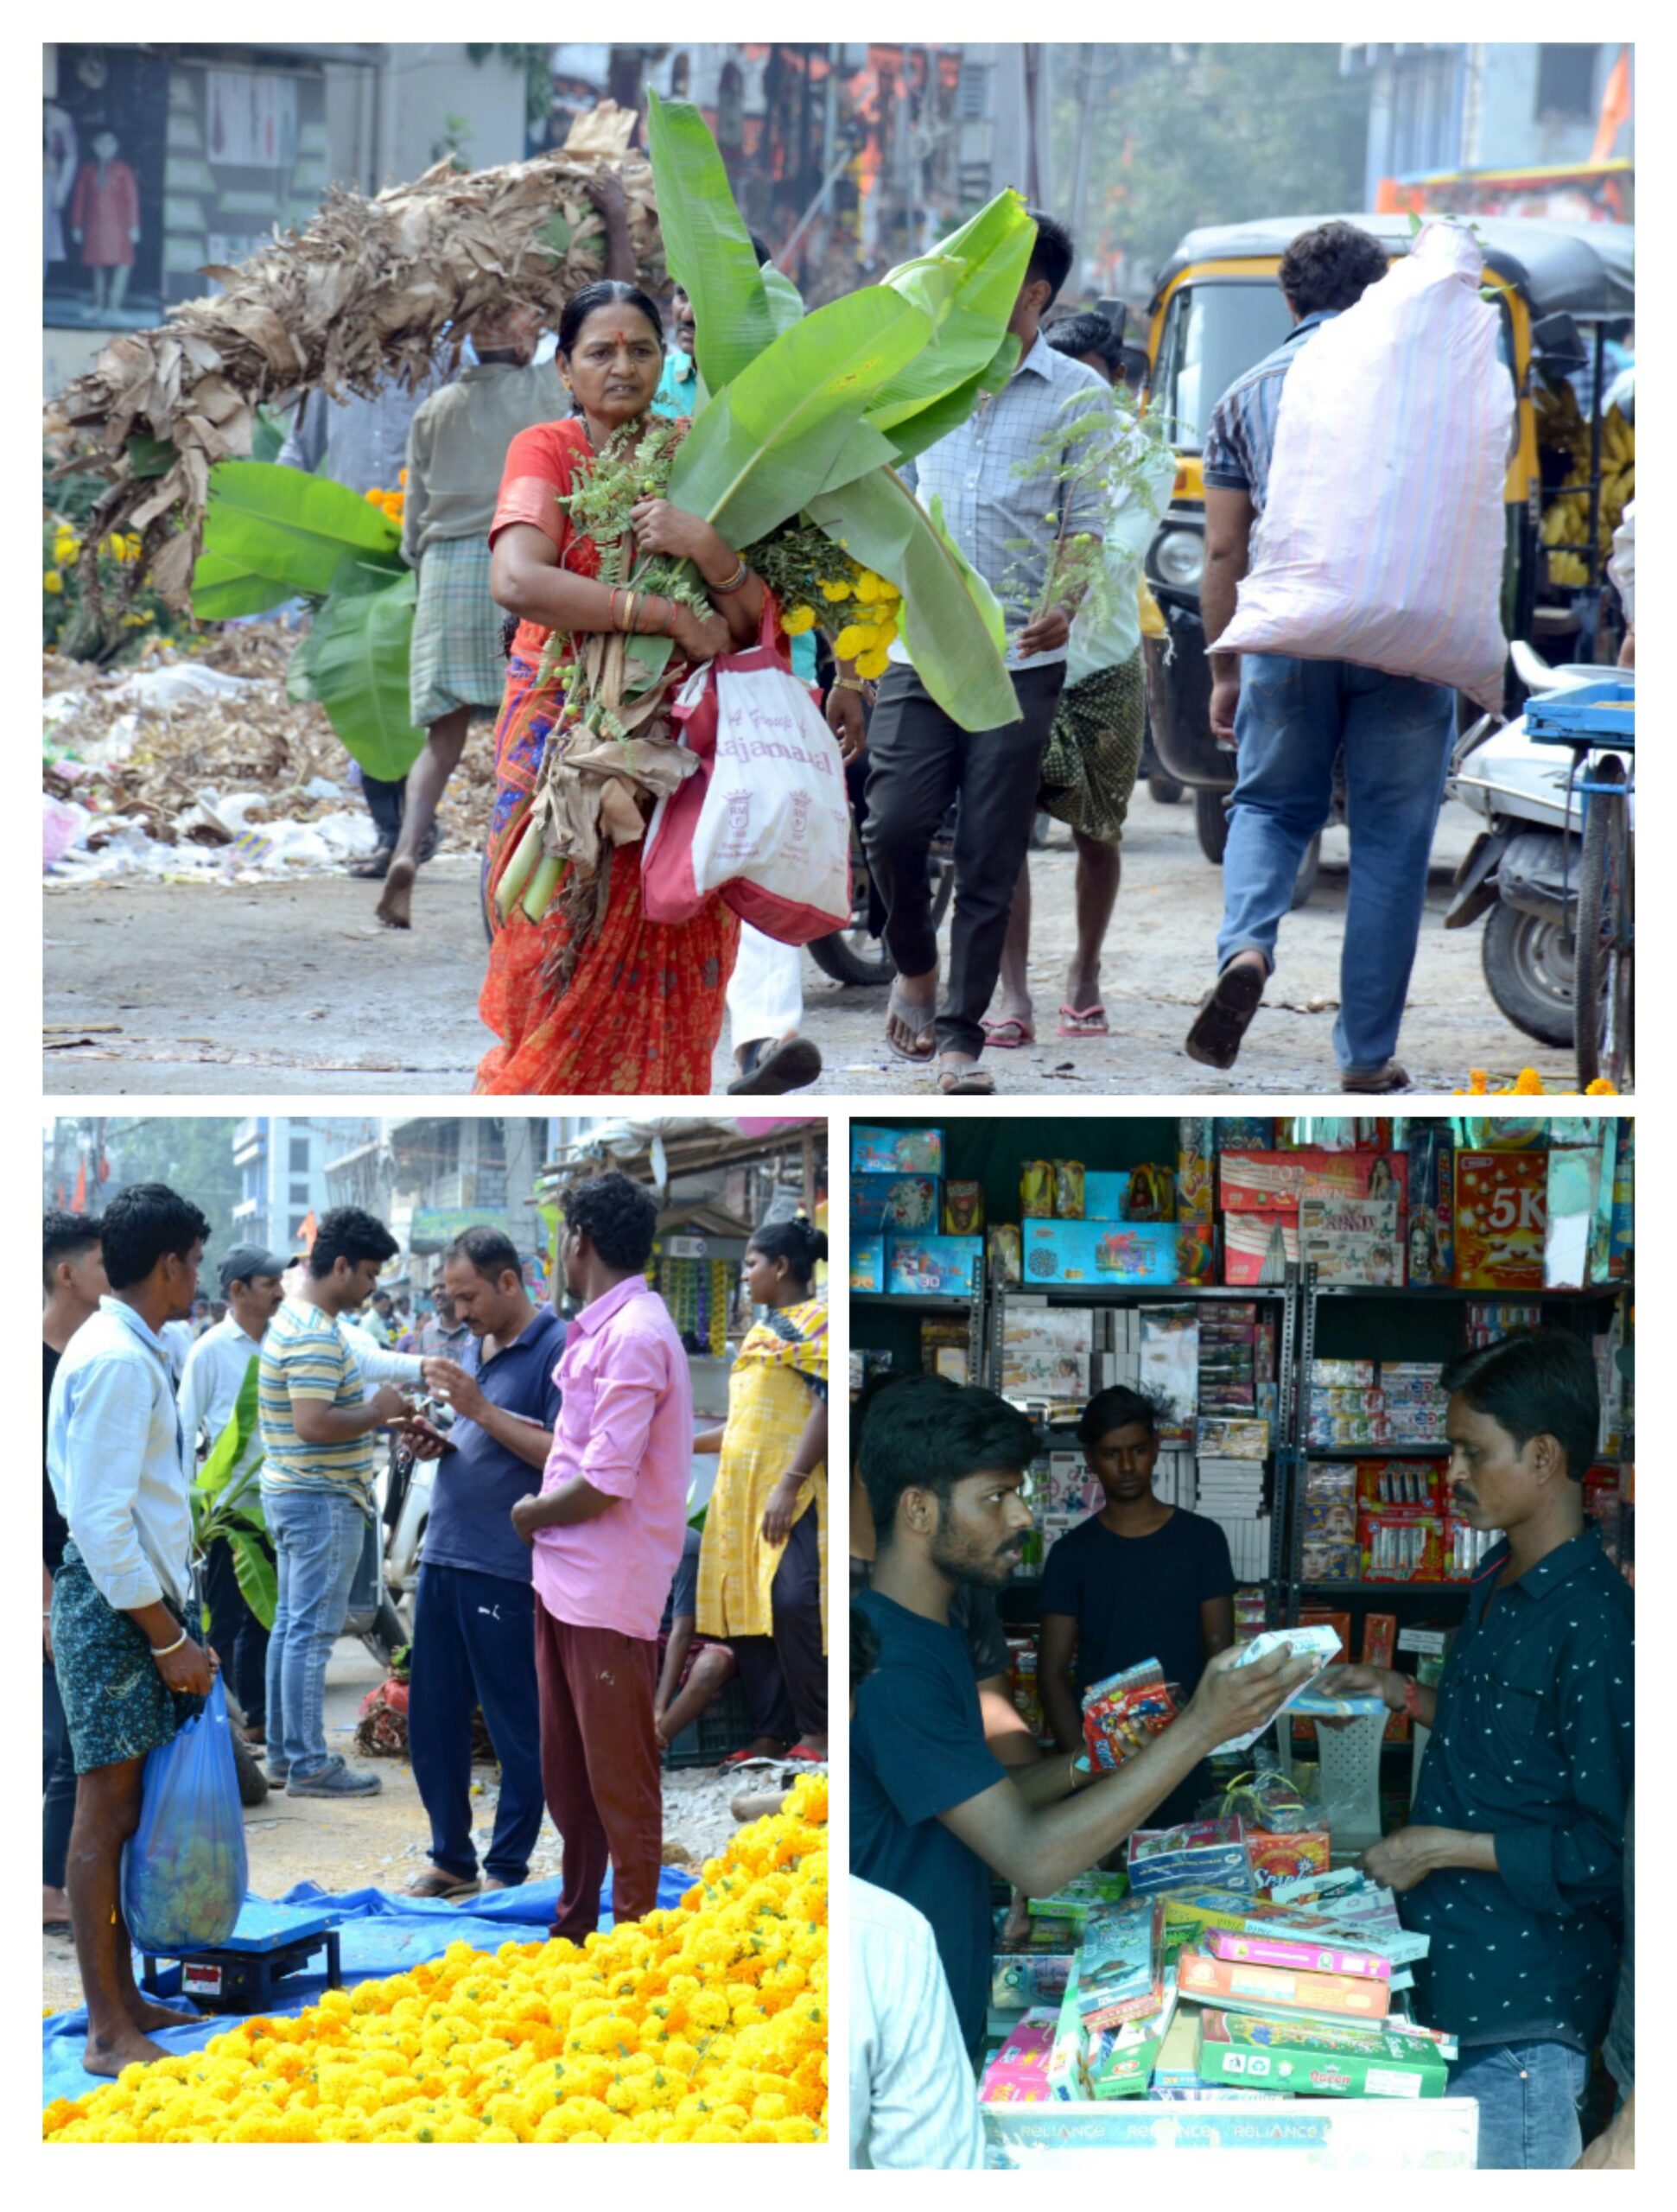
(282, 1160)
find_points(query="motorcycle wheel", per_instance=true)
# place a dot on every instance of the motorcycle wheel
(1163, 789)
(1529, 971)
(252, 1781)
(1211, 825)
(1602, 985)
(855, 955)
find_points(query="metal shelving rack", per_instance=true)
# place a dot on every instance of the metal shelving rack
(975, 1308)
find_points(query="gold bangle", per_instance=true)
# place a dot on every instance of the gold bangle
(629, 613)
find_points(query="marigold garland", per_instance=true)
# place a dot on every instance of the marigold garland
(705, 2024)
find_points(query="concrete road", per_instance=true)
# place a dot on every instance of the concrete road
(289, 989)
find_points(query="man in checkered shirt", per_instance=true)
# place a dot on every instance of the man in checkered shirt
(920, 760)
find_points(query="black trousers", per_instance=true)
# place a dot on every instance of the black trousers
(236, 1636)
(783, 1677)
(385, 802)
(920, 762)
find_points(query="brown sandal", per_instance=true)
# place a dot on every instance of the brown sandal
(436, 1882)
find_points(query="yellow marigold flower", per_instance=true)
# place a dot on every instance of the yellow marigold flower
(52, 581)
(797, 619)
(855, 638)
(375, 496)
(402, 478)
(837, 589)
(1529, 1083)
(1601, 1089)
(873, 663)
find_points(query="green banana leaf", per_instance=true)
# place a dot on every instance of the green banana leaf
(951, 624)
(256, 1575)
(789, 426)
(228, 1449)
(707, 244)
(987, 257)
(355, 664)
(942, 416)
(271, 533)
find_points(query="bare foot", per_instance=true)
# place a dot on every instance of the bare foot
(765, 1747)
(1012, 1006)
(910, 1015)
(395, 908)
(109, 2055)
(151, 2018)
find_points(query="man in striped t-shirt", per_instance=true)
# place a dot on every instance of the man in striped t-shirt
(317, 1488)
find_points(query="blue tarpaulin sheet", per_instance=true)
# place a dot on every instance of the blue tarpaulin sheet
(379, 1934)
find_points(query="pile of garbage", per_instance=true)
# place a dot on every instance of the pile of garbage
(195, 765)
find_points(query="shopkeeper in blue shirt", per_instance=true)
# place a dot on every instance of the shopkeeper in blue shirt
(474, 1620)
(1138, 1580)
(1513, 1862)
(934, 1815)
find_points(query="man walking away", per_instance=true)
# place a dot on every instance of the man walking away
(1094, 756)
(1007, 525)
(129, 1673)
(73, 1279)
(607, 1531)
(475, 1616)
(317, 1489)
(1288, 719)
(456, 450)
(216, 1371)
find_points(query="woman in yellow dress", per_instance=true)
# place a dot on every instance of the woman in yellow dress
(763, 1565)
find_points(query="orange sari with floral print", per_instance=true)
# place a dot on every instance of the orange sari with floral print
(645, 1003)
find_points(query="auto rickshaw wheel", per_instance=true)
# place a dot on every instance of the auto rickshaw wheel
(1211, 825)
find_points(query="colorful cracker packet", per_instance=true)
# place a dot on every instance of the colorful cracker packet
(1068, 1189)
(1124, 1713)
(1018, 2072)
(1211, 1854)
(1075, 1899)
(1312, 2059)
(1121, 2061)
(1287, 1989)
(1307, 1958)
(1121, 1973)
(1321, 1645)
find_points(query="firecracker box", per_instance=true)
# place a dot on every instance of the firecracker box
(868, 1263)
(1200, 1854)
(1032, 1969)
(1401, 1545)
(1501, 1219)
(1298, 1957)
(1312, 2058)
(963, 1209)
(1352, 1240)
(1380, 1649)
(1018, 2072)
(1283, 1989)
(875, 1151)
(1105, 1192)
(1258, 1247)
(1121, 2061)
(1005, 1251)
(1196, 1187)
(1100, 1252)
(1068, 1189)
(932, 1266)
(1074, 1900)
(1276, 1182)
(895, 1203)
(1432, 1208)
(1120, 1967)
(1276, 1854)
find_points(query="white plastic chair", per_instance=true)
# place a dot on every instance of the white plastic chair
(1348, 1761)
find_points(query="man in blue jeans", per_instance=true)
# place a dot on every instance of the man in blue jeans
(317, 1488)
(1513, 1862)
(1289, 719)
(474, 1619)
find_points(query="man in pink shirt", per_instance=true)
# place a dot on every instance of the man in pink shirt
(607, 1531)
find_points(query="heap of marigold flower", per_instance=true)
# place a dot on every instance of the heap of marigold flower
(1529, 1084)
(703, 2024)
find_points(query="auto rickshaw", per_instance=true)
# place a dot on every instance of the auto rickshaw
(1218, 310)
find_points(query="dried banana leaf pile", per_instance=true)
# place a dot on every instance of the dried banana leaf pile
(362, 293)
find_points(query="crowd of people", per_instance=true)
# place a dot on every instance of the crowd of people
(562, 1592)
(503, 573)
(1517, 1858)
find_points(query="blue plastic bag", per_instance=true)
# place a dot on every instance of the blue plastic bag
(184, 1869)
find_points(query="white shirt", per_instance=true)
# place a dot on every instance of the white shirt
(177, 1341)
(117, 1459)
(376, 1364)
(913, 2100)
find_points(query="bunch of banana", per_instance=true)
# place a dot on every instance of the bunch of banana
(1618, 469)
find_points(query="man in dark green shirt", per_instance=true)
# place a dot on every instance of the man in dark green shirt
(1513, 1862)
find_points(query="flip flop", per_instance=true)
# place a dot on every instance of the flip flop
(1084, 1021)
(445, 1895)
(922, 1020)
(775, 1069)
(966, 1082)
(738, 1759)
(1225, 1015)
(806, 1757)
(996, 1033)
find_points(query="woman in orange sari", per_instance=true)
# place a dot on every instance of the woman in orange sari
(612, 1001)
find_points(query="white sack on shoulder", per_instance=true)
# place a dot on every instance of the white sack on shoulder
(1382, 539)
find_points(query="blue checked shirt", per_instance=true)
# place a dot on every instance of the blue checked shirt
(117, 1457)
(986, 503)
(1241, 438)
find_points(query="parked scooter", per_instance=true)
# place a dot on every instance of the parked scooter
(1523, 870)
